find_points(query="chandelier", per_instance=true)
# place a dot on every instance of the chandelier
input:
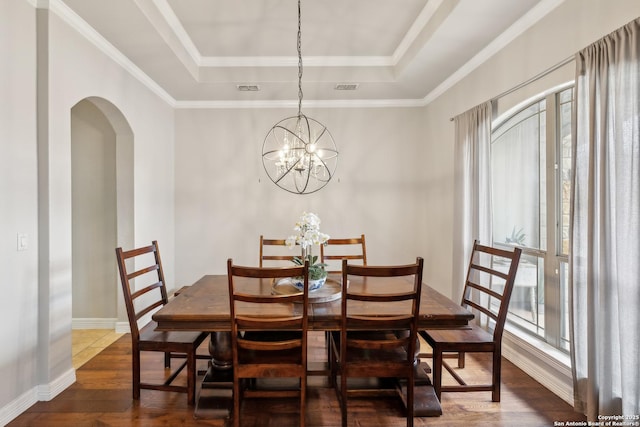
(299, 154)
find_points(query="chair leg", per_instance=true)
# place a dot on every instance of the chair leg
(303, 400)
(327, 341)
(167, 360)
(333, 363)
(495, 392)
(191, 378)
(436, 370)
(236, 402)
(343, 399)
(461, 359)
(410, 400)
(135, 366)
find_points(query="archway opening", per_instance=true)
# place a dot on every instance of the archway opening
(102, 213)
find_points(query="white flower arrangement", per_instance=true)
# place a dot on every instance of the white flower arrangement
(308, 235)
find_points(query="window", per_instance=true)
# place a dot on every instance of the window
(531, 186)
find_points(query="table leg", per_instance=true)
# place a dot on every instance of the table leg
(215, 397)
(220, 350)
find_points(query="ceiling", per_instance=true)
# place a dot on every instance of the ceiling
(397, 52)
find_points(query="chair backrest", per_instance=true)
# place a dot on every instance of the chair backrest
(254, 308)
(352, 249)
(489, 283)
(143, 283)
(275, 250)
(402, 317)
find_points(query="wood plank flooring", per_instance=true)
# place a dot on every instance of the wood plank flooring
(101, 397)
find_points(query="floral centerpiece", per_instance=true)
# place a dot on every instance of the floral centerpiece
(308, 235)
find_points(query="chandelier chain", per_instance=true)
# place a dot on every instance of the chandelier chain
(299, 61)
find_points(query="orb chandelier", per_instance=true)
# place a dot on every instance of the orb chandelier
(299, 153)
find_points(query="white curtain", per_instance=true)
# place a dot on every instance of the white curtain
(605, 231)
(472, 188)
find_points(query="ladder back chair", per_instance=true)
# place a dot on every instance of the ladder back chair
(487, 290)
(144, 290)
(266, 341)
(338, 249)
(332, 253)
(377, 346)
(274, 250)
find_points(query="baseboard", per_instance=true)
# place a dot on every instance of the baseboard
(93, 323)
(47, 392)
(552, 372)
(123, 328)
(42, 392)
(17, 406)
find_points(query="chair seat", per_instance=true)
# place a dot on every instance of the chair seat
(472, 334)
(149, 334)
(371, 355)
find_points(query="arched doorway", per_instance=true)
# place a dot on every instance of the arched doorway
(102, 211)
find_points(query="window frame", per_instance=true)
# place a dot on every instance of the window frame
(552, 257)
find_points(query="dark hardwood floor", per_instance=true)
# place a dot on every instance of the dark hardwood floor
(101, 397)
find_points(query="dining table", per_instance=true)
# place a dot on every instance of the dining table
(204, 306)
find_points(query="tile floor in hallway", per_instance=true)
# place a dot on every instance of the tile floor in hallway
(87, 343)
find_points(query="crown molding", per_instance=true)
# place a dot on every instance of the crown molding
(338, 103)
(516, 29)
(292, 61)
(81, 26)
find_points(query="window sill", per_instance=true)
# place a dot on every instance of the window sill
(546, 364)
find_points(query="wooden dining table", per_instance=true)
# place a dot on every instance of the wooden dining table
(204, 306)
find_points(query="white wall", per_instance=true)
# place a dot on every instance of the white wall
(18, 200)
(224, 199)
(570, 27)
(36, 362)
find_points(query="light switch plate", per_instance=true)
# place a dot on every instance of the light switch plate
(23, 241)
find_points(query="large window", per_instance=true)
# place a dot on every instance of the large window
(531, 177)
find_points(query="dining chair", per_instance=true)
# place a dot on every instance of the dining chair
(487, 291)
(144, 290)
(265, 341)
(332, 253)
(348, 248)
(381, 345)
(274, 250)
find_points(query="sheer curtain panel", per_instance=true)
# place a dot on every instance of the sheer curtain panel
(472, 188)
(605, 231)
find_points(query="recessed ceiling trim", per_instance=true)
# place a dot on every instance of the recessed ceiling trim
(172, 32)
(421, 21)
(289, 61)
(84, 29)
(292, 61)
(338, 103)
(176, 26)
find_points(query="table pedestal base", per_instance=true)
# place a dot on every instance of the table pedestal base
(215, 399)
